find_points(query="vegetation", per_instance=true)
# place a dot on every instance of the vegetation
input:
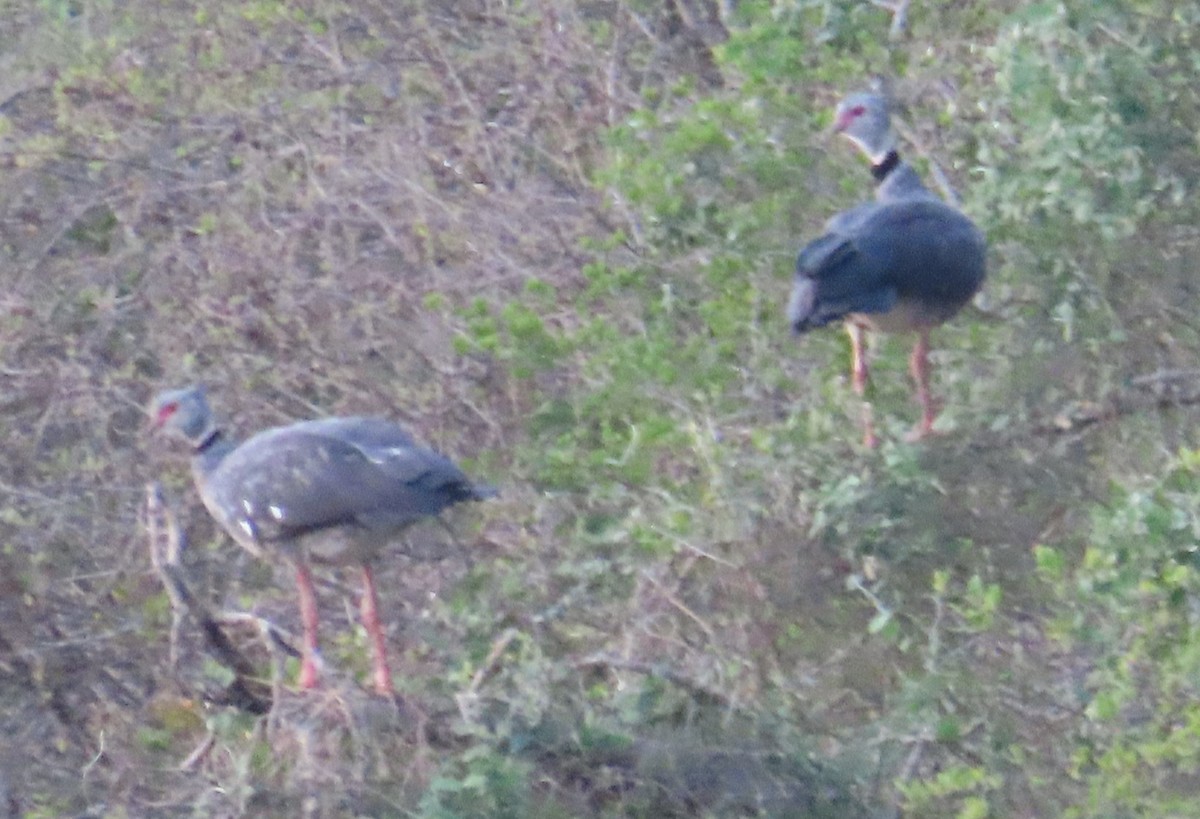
(555, 240)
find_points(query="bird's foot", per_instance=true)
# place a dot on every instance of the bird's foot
(930, 407)
(922, 431)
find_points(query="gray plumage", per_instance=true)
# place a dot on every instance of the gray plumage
(355, 482)
(905, 262)
(337, 490)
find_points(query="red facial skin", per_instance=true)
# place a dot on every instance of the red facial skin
(848, 117)
(164, 414)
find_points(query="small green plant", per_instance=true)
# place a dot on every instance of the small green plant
(1126, 607)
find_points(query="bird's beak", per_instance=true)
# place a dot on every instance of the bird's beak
(155, 420)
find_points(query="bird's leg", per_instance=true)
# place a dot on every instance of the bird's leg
(858, 379)
(308, 616)
(370, 620)
(858, 353)
(918, 365)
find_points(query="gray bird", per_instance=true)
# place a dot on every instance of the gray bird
(337, 490)
(906, 262)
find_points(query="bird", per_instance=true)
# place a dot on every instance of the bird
(334, 490)
(906, 262)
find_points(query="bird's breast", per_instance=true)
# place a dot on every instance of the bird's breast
(907, 316)
(340, 545)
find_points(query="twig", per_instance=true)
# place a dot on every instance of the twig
(646, 28)
(273, 637)
(613, 71)
(899, 11)
(909, 767)
(165, 542)
(1161, 377)
(556, 609)
(679, 604)
(200, 753)
(697, 690)
(91, 763)
(935, 170)
(162, 531)
(64, 227)
(1121, 39)
(1161, 390)
(467, 700)
(493, 658)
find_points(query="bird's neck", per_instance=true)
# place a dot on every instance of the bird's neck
(876, 146)
(208, 441)
(882, 168)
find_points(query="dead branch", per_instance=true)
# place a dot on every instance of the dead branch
(1160, 390)
(698, 691)
(165, 540)
(935, 170)
(899, 11)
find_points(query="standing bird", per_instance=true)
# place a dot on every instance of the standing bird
(903, 263)
(333, 491)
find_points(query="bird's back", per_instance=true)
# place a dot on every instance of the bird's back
(335, 487)
(910, 253)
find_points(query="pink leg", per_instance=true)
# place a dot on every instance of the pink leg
(918, 365)
(370, 620)
(858, 379)
(308, 616)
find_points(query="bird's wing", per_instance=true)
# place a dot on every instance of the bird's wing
(347, 471)
(926, 249)
(918, 249)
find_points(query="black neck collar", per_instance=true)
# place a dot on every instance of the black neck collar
(889, 163)
(208, 440)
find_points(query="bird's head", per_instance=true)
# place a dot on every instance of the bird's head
(183, 412)
(864, 119)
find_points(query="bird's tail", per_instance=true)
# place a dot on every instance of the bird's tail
(481, 491)
(801, 305)
(823, 290)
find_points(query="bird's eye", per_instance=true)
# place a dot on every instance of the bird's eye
(858, 110)
(167, 410)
